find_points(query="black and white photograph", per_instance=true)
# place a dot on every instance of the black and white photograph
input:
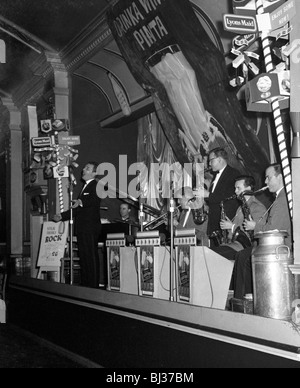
(157, 142)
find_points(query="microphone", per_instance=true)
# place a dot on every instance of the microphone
(129, 239)
(72, 177)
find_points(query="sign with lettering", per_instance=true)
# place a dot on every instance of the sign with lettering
(246, 7)
(41, 142)
(278, 18)
(239, 24)
(70, 140)
(143, 24)
(52, 244)
(242, 41)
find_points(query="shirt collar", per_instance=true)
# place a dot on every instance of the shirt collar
(221, 171)
(278, 192)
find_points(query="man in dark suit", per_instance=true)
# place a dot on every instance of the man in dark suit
(86, 212)
(278, 219)
(222, 187)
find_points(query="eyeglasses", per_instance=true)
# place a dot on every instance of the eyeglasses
(210, 160)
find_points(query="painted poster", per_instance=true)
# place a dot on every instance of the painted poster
(53, 244)
(114, 268)
(184, 272)
(147, 270)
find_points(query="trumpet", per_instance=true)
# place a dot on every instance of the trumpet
(160, 220)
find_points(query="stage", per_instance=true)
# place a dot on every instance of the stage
(120, 330)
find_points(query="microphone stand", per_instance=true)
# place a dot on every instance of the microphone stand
(71, 189)
(141, 214)
(172, 267)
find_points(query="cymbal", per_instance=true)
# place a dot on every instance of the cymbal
(129, 222)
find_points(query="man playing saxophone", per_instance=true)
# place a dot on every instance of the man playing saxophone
(250, 209)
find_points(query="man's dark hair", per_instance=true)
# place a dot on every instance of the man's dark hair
(248, 179)
(95, 165)
(277, 168)
(220, 153)
(125, 203)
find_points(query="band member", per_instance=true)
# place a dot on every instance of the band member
(278, 219)
(250, 209)
(222, 186)
(189, 204)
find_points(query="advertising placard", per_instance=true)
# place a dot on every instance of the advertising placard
(278, 18)
(239, 24)
(53, 244)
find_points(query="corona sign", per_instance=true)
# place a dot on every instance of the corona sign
(2, 51)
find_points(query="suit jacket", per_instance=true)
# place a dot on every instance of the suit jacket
(258, 212)
(225, 188)
(279, 218)
(87, 217)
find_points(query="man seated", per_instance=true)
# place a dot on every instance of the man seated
(127, 217)
(125, 212)
(251, 209)
(278, 219)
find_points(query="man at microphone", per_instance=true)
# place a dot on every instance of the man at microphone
(86, 212)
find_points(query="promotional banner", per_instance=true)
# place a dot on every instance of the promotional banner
(53, 244)
(172, 57)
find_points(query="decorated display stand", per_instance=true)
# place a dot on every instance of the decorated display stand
(269, 89)
(277, 87)
(55, 153)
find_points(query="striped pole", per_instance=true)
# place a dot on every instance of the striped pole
(59, 179)
(285, 162)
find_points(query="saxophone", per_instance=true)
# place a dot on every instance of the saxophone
(220, 237)
(244, 237)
